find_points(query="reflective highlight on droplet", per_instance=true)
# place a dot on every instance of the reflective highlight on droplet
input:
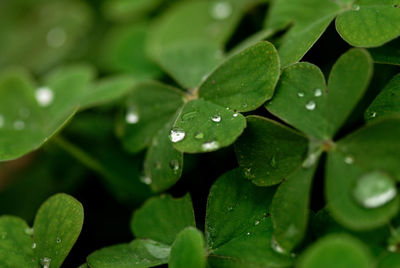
(216, 118)
(146, 180)
(45, 262)
(19, 125)
(209, 146)
(132, 117)
(317, 92)
(176, 135)
(221, 10)
(311, 105)
(44, 96)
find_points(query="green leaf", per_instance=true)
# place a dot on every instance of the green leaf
(388, 53)
(139, 253)
(149, 107)
(370, 23)
(338, 250)
(15, 243)
(57, 226)
(203, 126)
(123, 50)
(310, 18)
(162, 218)
(244, 89)
(387, 103)
(189, 51)
(268, 152)
(238, 229)
(290, 208)
(188, 250)
(163, 163)
(303, 99)
(121, 10)
(390, 261)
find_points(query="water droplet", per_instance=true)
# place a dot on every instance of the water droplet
(273, 161)
(230, 208)
(236, 114)
(248, 233)
(317, 92)
(349, 160)
(257, 223)
(209, 146)
(356, 7)
(300, 94)
(33, 245)
(221, 10)
(58, 240)
(189, 116)
(310, 105)
(19, 125)
(199, 135)
(374, 189)
(132, 116)
(56, 37)
(216, 118)
(247, 172)
(176, 135)
(311, 160)
(29, 231)
(373, 115)
(174, 165)
(276, 247)
(146, 180)
(44, 96)
(45, 262)
(1, 121)
(3, 235)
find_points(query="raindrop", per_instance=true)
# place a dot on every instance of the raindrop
(199, 135)
(221, 10)
(174, 165)
(19, 125)
(216, 118)
(248, 233)
(58, 240)
(257, 223)
(300, 94)
(374, 189)
(56, 37)
(356, 7)
(318, 92)
(209, 146)
(29, 231)
(349, 160)
(33, 245)
(373, 115)
(176, 135)
(276, 247)
(44, 96)
(310, 105)
(45, 262)
(132, 117)
(1, 121)
(236, 114)
(146, 180)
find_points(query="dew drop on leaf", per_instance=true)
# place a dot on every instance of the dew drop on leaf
(273, 161)
(257, 223)
(310, 105)
(174, 165)
(45, 262)
(19, 125)
(318, 92)
(29, 231)
(374, 189)
(221, 10)
(56, 37)
(276, 247)
(146, 180)
(33, 245)
(248, 233)
(58, 240)
(349, 160)
(176, 135)
(209, 146)
(356, 7)
(300, 94)
(44, 96)
(199, 135)
(216, 118)
(132, 116)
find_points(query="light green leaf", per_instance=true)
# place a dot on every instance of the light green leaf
(337, 250)
(244, 89)
(188, 250)
(163, 163)
(238, 227)
(370, 23)
(16, 243)
(121, 10)
(162, 218)
(57, 226)
(303, 99)
(203, 126)
(140, 253)
(149, 107)
(268, 152)
(387, 103)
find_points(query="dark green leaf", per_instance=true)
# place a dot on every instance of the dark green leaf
(388, 53)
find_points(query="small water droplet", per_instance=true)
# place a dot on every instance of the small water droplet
(44, 96)
(1, 121)
(392, 248)
(276, 247)
(216, 118)
(146, 180)
(176, 135)
(29, 231)
(356, 7)
(317, 92)
(58, 240)
(248, 233)
(19, 125)
(33, 245)
(209, 146)
(174, 165)
(373, 115)
(374, 189)
(247, 172)
(257, 223)
(199, 135)
(236, 114)
(56, 37)
(310, 105)
(300, 94)
(349, 160)
(132, 116)
(230, 208)
(273, 161)
(45, 262)
(221, 10)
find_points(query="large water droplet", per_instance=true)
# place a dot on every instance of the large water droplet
(209, 146)
(132, 116)
(1, 121)
(45, 262)
(176, 135)
(19, 125)
(174, 165)
(56, 37)
(146, 180)
(317, 92)
(374, 189)
(221, 10)
(216, 118)
(310, 105)
(44, 96)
